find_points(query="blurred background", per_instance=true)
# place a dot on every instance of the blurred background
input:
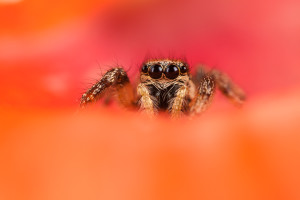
(52, 51)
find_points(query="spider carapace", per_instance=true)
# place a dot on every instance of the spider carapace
(165, 85)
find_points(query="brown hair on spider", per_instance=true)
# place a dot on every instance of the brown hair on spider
(165, 85)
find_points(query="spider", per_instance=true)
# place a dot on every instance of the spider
(165, 85)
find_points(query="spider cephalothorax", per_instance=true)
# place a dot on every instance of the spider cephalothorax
(165, 85)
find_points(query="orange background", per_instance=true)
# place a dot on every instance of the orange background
(50, 52)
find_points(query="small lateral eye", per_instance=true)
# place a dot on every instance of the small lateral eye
(172, 71)
(183, 69)
(145, 69)
(155, 71)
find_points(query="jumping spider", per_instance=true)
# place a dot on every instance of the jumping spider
(165, 85)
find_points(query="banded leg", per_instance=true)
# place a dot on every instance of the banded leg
(203, 96)
(178, 101)
(228, 88)
(115, 78)
(224, 83)
(145, 100)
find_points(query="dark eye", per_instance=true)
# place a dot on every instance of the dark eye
(183, 69)
(155, 71)
(145, 69)
(172, 71)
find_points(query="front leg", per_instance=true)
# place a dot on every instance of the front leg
(203, 96)
(115, 78)
(178, 102)
(146, 103)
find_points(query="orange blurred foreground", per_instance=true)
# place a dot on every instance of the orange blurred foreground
(104, 154)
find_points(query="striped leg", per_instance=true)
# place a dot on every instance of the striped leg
(203, 96)
(115, 78)
(228, 88)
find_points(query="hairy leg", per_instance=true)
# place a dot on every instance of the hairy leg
(116, 79)
(204, 95)
(224, 83)
(145, 100)
(228, 88)
(178, 101)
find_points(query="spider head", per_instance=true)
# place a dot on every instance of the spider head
(164, 71)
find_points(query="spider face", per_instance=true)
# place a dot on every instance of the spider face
(162, 79)
(165, 85)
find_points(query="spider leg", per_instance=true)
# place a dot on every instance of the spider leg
(204, 95)
(115, 78)
(145, 100)
(228, 88)
(178, 101)
(224, 84)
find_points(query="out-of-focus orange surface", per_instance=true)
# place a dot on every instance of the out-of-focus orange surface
(99, 154)
(48, 58)
(50, 52)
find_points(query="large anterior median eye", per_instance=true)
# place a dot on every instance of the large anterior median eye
(155, 71)
(172, 71)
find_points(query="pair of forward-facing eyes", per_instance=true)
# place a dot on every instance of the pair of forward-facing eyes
(172, 71)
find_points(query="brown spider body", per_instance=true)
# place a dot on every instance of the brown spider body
(165, 85)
